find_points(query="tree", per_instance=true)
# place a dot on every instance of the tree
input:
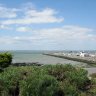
(5, 59)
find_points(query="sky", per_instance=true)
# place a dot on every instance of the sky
(47, 24)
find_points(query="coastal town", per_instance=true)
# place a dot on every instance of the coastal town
(80, 55)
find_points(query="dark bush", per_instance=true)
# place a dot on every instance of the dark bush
(5, 60)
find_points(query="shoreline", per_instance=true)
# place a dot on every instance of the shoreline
(26, 64)
(90, 70)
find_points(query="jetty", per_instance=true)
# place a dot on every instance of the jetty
(88, 61)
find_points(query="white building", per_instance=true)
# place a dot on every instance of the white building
(82, 54)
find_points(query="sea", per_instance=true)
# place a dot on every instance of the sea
(29, 56)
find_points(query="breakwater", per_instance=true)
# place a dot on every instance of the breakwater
(90, 62)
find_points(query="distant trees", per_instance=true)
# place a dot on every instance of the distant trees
(5, 59)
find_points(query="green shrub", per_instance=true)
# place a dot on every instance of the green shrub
(47, 80)
(5, 59)
(39, 85)
(74, 75)
(80, 78)
(60, 72)
(68, 88)
(9, 80)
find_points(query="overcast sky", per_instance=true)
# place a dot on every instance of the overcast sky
(47, 24)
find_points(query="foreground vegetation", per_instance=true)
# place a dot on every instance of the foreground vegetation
(49, 80)
(46, 80)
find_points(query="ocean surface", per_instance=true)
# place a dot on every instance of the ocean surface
(37, 56)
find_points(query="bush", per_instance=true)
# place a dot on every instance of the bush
(80, 78)
(68, 88)
(9, 80)
(41, 85)
(74, 75)
(5, 60)
(60, 72)
(47, 80)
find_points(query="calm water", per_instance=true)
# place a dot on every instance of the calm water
(36, 56)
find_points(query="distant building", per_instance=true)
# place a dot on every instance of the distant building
(58, 53)
(92, 55)
(82, 54)
(63, 54)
